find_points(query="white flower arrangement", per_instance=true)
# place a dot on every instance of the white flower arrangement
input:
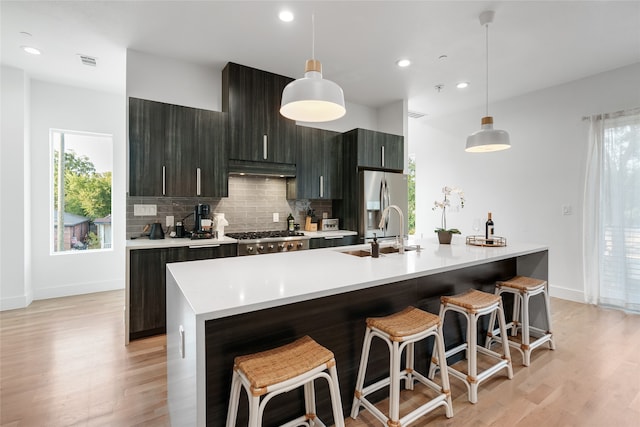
(446, 202)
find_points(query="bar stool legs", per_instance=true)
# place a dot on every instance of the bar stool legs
(473, 304)
(523, 288)
(400, 331)
(270, 373)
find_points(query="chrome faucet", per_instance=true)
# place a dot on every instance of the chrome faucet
(385, 213)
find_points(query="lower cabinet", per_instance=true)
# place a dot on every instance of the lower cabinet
(147, 283)
(332, 242)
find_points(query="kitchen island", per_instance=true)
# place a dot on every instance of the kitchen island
(218, 309)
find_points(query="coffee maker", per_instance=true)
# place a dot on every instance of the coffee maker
(201, 211)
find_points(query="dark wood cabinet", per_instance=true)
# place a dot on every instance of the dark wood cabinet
(180, 151)
(211, 162)
(332, 242)
(377, 150)
(257, 130)
(318, 165)
(147, 283)
(176, 150)
(147, 121)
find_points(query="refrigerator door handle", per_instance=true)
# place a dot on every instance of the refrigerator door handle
(381, 196)
(388, 198)
(386, 203)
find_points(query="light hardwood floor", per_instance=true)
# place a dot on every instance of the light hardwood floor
(63, 362)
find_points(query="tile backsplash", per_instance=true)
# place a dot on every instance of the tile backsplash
(250, 206)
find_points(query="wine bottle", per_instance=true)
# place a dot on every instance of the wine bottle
(489, 230)
(290, 223)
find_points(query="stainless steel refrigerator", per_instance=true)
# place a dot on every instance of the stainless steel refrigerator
(379, 190)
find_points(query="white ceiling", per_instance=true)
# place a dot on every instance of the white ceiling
(533, 45)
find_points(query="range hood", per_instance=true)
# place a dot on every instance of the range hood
(246, 167)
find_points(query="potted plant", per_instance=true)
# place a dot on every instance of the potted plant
(444, 234)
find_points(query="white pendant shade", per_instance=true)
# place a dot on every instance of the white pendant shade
(487, 138)
(312, 98)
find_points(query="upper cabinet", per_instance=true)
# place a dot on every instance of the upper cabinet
(147, 121)
(318, 165)
(257, 130)
(176, 151)
(377, 150)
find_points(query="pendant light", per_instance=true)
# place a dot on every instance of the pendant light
(312, 98)
(487, 138)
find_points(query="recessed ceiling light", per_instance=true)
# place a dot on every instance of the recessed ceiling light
(31, 50)
(286, 16)
(403, 63)
(462, 85)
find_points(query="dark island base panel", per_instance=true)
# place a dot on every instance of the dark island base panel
(338, 323)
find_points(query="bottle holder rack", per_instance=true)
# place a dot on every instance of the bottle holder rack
(482, 241)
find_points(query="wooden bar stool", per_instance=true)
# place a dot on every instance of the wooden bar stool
(473, 304)
(269, 373)
(399, 331)
(523, 288)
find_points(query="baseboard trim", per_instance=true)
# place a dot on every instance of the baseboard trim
(12, 303)
(78, 289)
(568, 294)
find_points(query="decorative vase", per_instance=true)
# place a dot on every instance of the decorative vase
(444, 237)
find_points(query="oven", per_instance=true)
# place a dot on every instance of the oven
(268, 242)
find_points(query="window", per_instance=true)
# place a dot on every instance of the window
(612, 211)
(412, 194)
(81, 165)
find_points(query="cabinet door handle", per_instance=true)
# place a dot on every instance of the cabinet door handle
(211, 245)
(181, 345)
(321, 186)
(382, 156)
(264, 147)
(198, 182)
(164, 180)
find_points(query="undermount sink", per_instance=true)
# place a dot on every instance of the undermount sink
(383, 250)
(359, 253)
(394, 250)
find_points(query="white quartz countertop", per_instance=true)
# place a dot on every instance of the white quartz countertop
(170, 242)
(329, 234)
(223, 287)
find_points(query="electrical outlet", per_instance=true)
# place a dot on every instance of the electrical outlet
(145, 210)
(567, 210)
(325, 215)
(276, 217)
(169, 221)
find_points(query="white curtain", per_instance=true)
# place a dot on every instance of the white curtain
(611, 227)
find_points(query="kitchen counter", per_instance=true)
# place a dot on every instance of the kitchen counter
(220, 309)
(171, 242)
(255, 283)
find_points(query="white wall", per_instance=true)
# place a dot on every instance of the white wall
(174, 82)
(526, 186)
(71, 108)
(15, 245)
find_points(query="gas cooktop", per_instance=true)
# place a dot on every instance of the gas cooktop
(258, 235)
(266, 242)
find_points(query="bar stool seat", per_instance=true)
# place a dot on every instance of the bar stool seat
(401, 331)
(473, 304)
(269, 373)
(523, 288)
